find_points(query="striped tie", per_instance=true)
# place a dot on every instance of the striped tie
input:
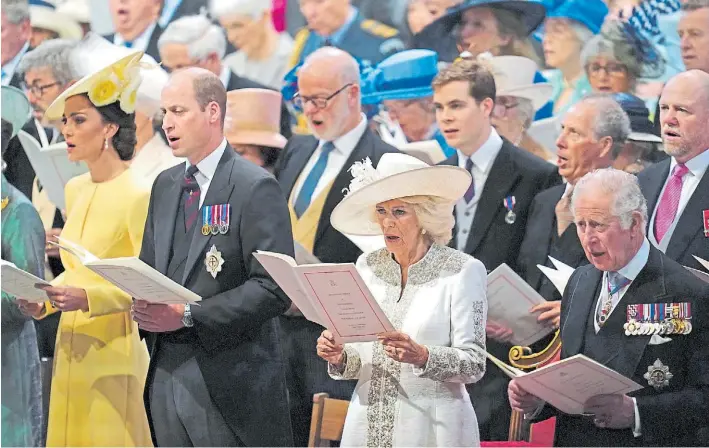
(470, 194)
(667, 209)
(190, 194)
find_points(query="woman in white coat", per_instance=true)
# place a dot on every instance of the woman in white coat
(411, 383)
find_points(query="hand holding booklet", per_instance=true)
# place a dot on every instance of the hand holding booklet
(132, 276)
(332, 295)
(21, 284)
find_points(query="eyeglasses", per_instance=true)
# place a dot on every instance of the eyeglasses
(501, 108)
(612, 69)
(319, 102)
(38, 91)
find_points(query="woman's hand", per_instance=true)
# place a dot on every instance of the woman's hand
(400, 347)
(67, 298)
(30, 308)
(329, 350)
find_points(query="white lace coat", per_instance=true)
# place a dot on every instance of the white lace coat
(443, 307)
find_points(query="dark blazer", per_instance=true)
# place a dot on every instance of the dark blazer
(152, 48)
(18, 169)
(688, 237)
(539, 239)
(517, 173)
(237, 82)
(236, 334)
(671, 416)
(330, 245)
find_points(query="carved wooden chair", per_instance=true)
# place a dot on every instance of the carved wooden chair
(327, 421)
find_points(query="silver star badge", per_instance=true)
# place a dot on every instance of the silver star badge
(658, 375)
(214, 261)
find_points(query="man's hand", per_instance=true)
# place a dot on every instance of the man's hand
(329, 350)
(52, 250)
(66, 298)
(157, 317)
(521, 400)
(612, 411)
(498, 332)
(550, 313)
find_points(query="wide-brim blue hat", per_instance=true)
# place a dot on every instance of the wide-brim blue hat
(641, 127)
(403, 76)
(16, 108)
(530, 12)
(590, 13)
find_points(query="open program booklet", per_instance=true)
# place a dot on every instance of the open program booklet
(132, 276)
(21, 284)
(332, 295)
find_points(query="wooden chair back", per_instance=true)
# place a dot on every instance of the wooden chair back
(327, 421)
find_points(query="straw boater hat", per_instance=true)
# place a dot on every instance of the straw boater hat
(115, 82)
(44, 14)
(396, 176)
(254, 117)
(514, 76)
(16, 108)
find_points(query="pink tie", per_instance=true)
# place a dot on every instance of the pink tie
(667, 210)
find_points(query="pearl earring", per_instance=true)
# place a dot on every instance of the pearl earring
(105, 144)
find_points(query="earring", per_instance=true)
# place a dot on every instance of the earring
(105, 144)
(423, 231)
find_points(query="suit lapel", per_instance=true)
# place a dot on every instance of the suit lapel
(656, 182)
(289, 177)
(581, 300)
(167, 212)
(546, 215)
(219, 192)
(500, 180)
(690, 222)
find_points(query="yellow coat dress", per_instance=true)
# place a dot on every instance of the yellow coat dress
(100, 362)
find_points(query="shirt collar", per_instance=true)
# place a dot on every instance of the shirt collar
(347, 142)
(697, 166)
(486, 154)
(208, 166)
(168, 10)
(337, 35)
(140, 42)
(638, 262)
(225, 75)
(11, 65)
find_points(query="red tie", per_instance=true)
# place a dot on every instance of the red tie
(667, 209)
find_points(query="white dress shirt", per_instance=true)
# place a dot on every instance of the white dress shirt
(697, 168)
(9, 68)
(225, 75)
(483, 159)
(139, 43)
(207, 167)
(344, 146)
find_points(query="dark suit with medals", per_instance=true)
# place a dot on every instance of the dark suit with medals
(234, 341)
(690, 236)
(494, 238)
(306, 372)
(672, 408)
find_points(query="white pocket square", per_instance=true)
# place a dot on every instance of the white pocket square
(656, 339)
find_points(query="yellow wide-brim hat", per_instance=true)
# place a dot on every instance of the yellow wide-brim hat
(118, 81)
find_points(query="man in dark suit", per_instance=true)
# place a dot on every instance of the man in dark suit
(676, 188)
(593, 133)
(491, 219)
(216, 375)
(16, 31)
(625, 273)
(194, 41)
(313, 173)
(135, 24)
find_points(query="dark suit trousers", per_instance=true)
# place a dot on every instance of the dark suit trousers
(306, 374)
(182, 411)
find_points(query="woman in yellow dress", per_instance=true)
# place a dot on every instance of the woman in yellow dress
(100, 362)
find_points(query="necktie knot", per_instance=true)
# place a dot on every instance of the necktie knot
(680, 170)
(189, 182)
(469, 165)
(128, 44)
(327, 147)
(616, 279)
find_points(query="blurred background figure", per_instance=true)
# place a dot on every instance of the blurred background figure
(47, 23)
(135, 25)
(251, 125)
(79, 11)
(16, 31)
(421, 13)
(644, 144)
(22, 245)
(566, 29)
(693, 32)
(262, 52)
(175, 9)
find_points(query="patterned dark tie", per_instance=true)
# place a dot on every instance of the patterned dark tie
(470, 194)
(190, 194)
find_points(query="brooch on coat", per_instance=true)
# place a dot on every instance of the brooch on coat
(658, 375)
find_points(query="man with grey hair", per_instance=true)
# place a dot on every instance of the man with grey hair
(693, 30)
(627, 282)
(313, 172)
(194, 41)
(216, 374)
(16, 31)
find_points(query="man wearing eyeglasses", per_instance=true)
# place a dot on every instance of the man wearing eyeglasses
(313, 172)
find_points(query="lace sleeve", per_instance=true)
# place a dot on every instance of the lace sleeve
(350, 367)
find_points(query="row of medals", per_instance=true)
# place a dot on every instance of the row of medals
(214, 229)
(668, 326)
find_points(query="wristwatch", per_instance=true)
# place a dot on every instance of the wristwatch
(187, 317)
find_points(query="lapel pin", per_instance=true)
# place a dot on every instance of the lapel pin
(705, 216)
(509, 203)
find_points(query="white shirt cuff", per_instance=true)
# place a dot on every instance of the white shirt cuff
(636, 427)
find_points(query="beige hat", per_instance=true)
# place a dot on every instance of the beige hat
(78, 10)
(254, 118)
(514, 76)
(44, 14)
(397, 176)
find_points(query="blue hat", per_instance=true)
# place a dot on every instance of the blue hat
(641, 127)
(403, 76)
(590, 13)
(16, 108)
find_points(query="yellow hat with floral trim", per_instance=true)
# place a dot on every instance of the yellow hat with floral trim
(117, 82)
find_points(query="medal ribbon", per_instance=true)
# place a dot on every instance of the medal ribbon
(509, 203)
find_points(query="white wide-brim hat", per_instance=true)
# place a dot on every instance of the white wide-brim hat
(49, 19)
(514, 76)
(79, 10)
(396, 176)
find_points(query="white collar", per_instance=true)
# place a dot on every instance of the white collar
(637, 263)
(225, 75)
(347, 142)
(208, 166)
(11, 65)
(486, 154)
(140, 42)
(697, 166)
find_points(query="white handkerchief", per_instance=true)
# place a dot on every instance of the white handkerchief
(656, 339)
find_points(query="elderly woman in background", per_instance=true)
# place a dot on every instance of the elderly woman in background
(411, 383)
(262, 52)
(251, 125)
(566, 29)
(644, 145)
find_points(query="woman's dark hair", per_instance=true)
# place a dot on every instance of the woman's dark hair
(124, 140)
(269, 156)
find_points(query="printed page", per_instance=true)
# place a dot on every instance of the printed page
(509, 300)
(344, 301)
(20, 284)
